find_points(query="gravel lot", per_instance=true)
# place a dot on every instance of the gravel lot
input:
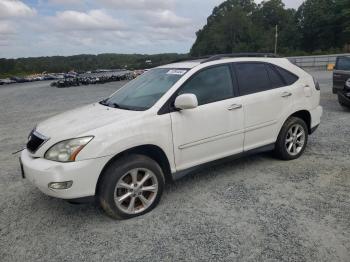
(253, 209)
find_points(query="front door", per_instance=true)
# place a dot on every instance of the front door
(214, 129)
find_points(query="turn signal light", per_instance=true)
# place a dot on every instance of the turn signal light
(61, 185)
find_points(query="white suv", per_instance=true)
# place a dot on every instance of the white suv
(171, 119)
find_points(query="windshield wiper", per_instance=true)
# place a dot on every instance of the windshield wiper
(104, 102)
(115, 105)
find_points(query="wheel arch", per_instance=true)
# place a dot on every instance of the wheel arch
(152, 151)
(304, 115)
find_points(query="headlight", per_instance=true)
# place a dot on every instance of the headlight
(67, 151)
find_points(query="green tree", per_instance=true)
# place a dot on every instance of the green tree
(236, 26)
(272, 13)
(229, 28)
(343, 11)
(318, 25)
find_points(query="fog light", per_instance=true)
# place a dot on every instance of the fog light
(61, 185)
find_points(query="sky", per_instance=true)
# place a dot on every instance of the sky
(31, 28)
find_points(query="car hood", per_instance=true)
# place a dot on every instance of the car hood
(82, 121)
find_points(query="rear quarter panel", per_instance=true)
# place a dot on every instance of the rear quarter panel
(305, 96)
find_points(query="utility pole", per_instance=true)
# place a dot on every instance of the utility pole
(276, 39)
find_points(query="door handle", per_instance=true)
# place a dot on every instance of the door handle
(286, 94)
(234, 107)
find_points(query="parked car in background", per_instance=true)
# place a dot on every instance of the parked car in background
(169, 120)
(18, 79)
(341, 73)
(6, 81)
(344, 95)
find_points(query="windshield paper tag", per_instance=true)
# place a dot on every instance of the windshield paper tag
(176, 72)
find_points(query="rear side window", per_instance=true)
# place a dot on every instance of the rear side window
(288, 77)
(210, 85)
(275, 78)
(343, 63)
(252, 78)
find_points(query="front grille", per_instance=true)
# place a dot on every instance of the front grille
(35, 142)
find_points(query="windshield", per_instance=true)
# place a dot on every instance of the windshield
(144, 91)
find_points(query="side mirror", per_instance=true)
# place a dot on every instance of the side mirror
(186, 101)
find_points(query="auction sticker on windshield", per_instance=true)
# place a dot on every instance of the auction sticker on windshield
(176, 72)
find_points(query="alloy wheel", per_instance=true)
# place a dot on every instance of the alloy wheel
(295, 140)
(136, 191)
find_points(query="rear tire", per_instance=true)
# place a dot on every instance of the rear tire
(292, 139)
(130, 187)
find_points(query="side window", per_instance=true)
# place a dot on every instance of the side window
(275, 78)
(210, 85)
(343, 63)
(252, 78)
(288, 77)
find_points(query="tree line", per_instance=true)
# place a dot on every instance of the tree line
(82, 63)
(316, 27)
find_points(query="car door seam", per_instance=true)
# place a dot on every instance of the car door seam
(252, 128)
(210, 139)
(225, 135)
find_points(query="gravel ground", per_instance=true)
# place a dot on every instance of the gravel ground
(252, 209)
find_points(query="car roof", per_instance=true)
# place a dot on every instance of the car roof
(193, 63)
(183, 65)
(214, 59)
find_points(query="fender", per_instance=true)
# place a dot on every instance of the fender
(295, 113)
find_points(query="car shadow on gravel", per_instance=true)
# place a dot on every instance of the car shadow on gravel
(344, 109)
(90, 210)
(219, 168)
(84, 212)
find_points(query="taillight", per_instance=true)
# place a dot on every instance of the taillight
(317, 85)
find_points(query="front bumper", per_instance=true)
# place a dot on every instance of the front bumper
(84, 174)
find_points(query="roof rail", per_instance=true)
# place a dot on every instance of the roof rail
(221, 56)
(190, 59)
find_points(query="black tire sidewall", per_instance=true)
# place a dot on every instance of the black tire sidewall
(281, 149)
(114, 172)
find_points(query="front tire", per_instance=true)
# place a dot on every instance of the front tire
(292, 140)
(130, 187)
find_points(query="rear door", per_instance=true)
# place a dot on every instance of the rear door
(341, 73)
(266, 100)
